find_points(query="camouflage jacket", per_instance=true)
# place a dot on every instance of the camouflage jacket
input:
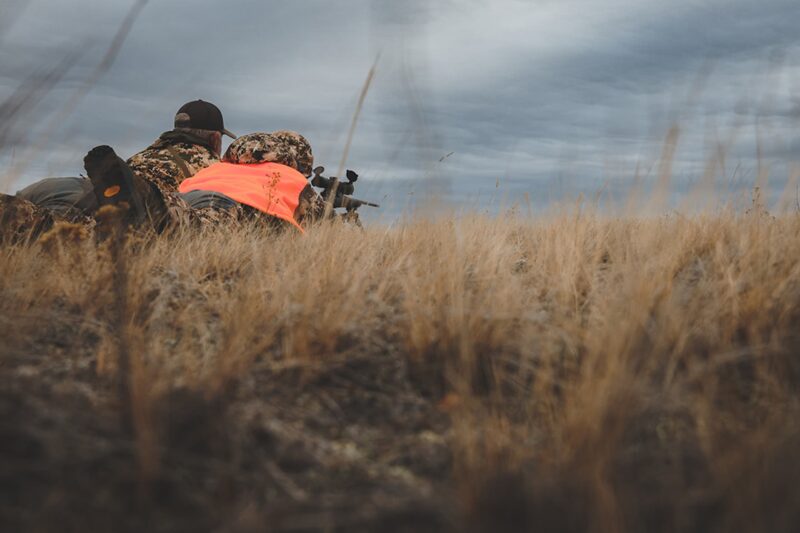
(173, 157)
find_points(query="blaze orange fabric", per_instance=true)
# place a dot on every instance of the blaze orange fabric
(269, 187)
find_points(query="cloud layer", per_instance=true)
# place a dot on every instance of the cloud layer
(545, 99)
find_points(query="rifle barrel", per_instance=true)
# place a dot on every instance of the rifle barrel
(348, 202)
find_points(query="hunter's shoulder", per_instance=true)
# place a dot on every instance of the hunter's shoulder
(195, 153)
(165, 151)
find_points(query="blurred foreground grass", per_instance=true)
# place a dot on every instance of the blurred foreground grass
(569, 373)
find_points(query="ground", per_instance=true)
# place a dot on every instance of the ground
(571, 373)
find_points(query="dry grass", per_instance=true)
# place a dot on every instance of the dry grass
(570, 373)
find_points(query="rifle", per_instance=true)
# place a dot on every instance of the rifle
(342, 190)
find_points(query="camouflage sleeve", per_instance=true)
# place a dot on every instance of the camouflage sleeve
(158, 168)
(311, 206)
(168, 165)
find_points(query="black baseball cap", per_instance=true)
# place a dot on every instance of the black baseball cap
(201, 115)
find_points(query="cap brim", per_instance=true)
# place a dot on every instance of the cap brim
(228, 133)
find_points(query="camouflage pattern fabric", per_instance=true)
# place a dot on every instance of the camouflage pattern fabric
(285, 147)
(310, 208)
(181, 214)
(21, 220)
(175, 156)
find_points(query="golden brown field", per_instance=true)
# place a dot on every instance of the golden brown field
(574, 372)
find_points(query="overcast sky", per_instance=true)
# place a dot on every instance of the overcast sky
(536, 100)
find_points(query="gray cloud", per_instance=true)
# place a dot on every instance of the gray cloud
(549, 98)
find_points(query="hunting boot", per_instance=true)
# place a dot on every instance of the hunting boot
(115, 184)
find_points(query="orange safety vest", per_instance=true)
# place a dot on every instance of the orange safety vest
(269, 187)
